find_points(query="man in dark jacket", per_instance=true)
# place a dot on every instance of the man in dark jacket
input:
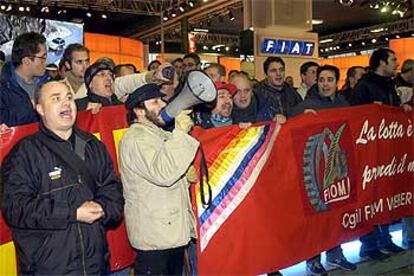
(99, 78)
(60, 192)
(279, 94)
(248, 107)
(324, 95)
(378, 87)
(20, 78)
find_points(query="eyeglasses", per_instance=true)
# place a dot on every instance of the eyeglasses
(42, 57)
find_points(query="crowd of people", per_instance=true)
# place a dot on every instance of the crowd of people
(59, 184)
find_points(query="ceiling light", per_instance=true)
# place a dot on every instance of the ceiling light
(321, 50)
(9, 8)
(191, 4)
(104, 16)
(205, 1)
(165, 17)
(89, 14)
(373, 40)
(173, 14)
(200, 30)
(21, 9)
(350, 44)
(227, 48)
(61, 11)
(205, 47)
(384, 9)
(217, 46)
(378, 30)
(363, 43)
(182, 8)
(386, 39)
(3, 7)
(397, 36)
(325, 40)
(346, 2)
(28, 9)
(317, 21)
(44, 9)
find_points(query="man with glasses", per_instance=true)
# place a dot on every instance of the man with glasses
(20, 78)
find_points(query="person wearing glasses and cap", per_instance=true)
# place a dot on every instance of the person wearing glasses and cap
(153, 165)
(20, 78)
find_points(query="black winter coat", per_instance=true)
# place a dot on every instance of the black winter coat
(41, 195)
(280, 101)
(375, 88)
(314, 100)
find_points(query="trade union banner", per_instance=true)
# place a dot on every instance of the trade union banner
(278, 194)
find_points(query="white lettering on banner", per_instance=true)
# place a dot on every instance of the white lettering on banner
(392, 130)
(410, 129)
(390, 169)
(339, 191)
(372, 209)
(399, 200)
(351, 219)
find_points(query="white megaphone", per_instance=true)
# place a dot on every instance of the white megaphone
(199, 88)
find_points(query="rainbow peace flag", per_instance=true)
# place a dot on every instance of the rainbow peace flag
(232, 174)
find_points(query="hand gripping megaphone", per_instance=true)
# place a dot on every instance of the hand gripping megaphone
(198, 88)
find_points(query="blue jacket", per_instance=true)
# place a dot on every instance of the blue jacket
(15, 105)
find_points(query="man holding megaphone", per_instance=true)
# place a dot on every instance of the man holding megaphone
(154, 164)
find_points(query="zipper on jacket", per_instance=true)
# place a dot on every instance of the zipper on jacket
(60, 188)
(82, 250)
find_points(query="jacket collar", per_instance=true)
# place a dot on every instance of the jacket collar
(75, 132)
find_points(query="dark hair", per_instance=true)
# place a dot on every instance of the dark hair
(2, 56)
(176, 60)
(305, 66)
(26, 45)
(327, 67)
(378, 55)
(350, 73)
(153, 62)
(131, 116)
(220, 68)
(74, 47)
(194, 56)
(269, 60)
(117, 69)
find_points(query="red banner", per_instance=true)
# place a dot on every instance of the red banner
(328, 179)
(282, 194)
